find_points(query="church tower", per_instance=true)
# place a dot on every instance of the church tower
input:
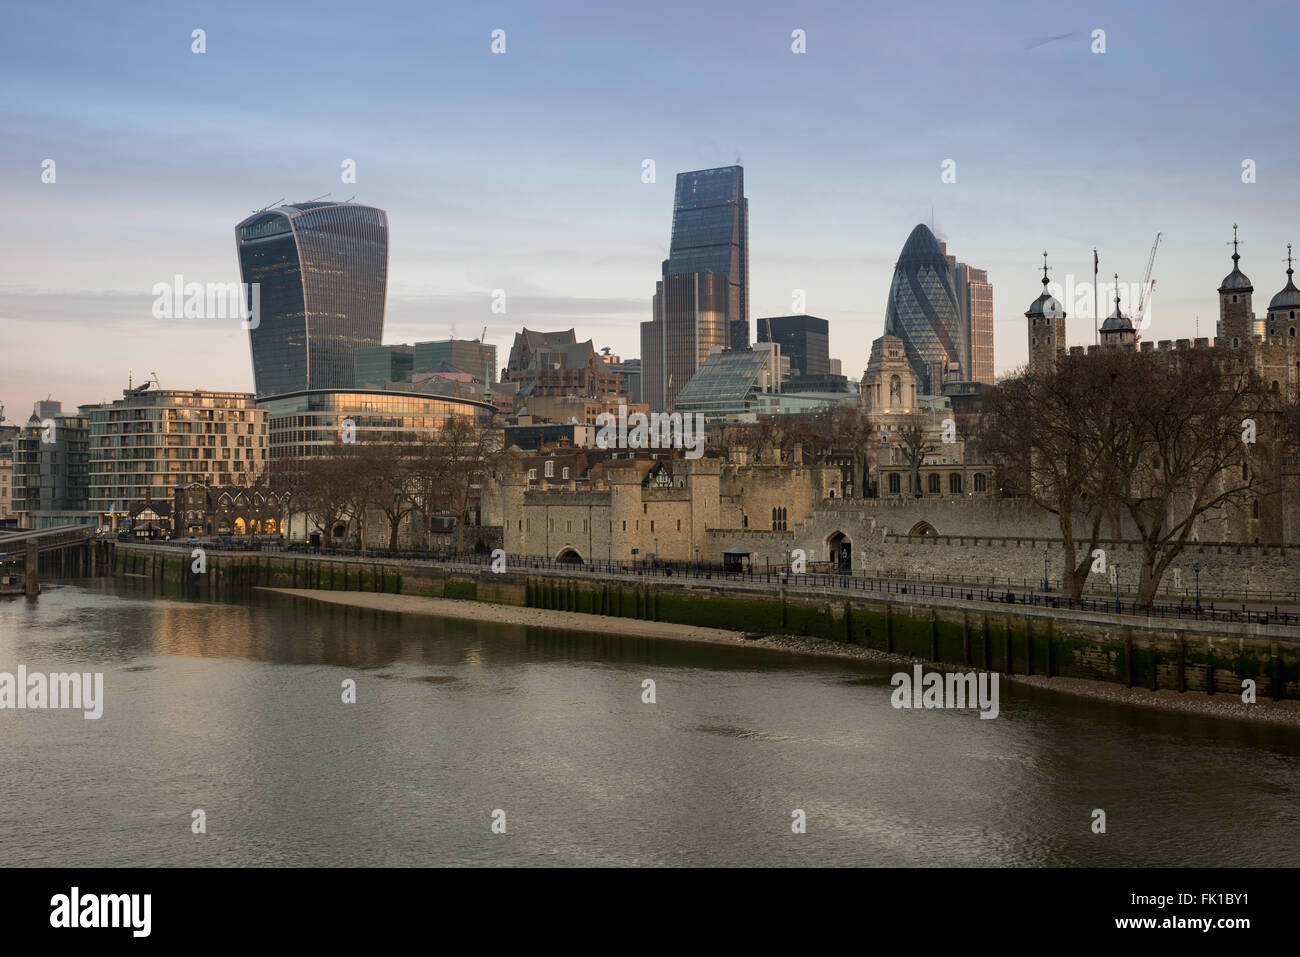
(1236, 314)
(1046, 329)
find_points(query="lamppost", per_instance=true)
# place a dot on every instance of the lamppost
(1196, 567)
(697, 561)
(787, 563)
(1116, 567)
(1045, 572)
(656, 566)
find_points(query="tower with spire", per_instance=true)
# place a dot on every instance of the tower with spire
(1284, 307)
(1046, 329)
(1117, 331)
(1236, 313)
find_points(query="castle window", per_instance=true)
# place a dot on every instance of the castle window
(566, 472)
(652, 524)
(1235, 342)
(894, 483)
(1245, 473)
(744, 521)
(1234, 298)
(1293, 327)
(1273, 387)
(1254, 509)
(532, 475)
(934, 484)
(550, 468)
(679, 525)
(981, 483)
(954, 483)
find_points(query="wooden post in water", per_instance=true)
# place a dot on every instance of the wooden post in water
(1182, 664)
(33, 568)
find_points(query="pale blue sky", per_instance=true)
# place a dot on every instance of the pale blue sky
(522, 171)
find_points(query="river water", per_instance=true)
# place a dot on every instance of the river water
(236, 709)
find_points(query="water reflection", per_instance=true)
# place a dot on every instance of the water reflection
(236, 708)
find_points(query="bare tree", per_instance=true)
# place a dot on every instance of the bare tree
(914, 442)
(1189, 452)
(1048, 435)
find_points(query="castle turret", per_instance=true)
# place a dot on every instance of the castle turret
(1283, 307)
(1118, 329)
(1046, 329)
(1236, 314)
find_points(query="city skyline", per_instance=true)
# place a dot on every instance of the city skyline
(469, 213)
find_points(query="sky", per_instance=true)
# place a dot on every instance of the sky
(522, 170)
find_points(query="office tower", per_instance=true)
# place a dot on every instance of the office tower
(922, 311)
(690, 321)
(150, 441)
(322, 270)
(974, 295)
(804, 340)
(711, 235)
(376, 365)
(468, 355)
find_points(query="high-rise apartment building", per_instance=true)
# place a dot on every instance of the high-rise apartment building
(322, 275)
(711, 235)
(153, 440)
(49, 483)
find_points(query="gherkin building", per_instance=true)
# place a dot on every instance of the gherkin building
(922, 311)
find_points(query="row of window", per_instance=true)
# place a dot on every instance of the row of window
(935, 483)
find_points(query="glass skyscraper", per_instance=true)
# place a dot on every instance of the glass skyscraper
(711, 235)
(323, 275)
(923, 312)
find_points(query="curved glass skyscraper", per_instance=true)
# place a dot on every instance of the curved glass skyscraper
(923, 312)
(323, 275)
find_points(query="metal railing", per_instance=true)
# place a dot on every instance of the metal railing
(823, 580)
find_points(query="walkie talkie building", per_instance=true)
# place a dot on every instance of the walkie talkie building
(322, 270)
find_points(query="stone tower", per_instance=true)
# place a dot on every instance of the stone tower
(1046, 329)
(1117, 330)
(1236, 314)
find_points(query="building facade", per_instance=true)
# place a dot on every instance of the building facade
(313, 423)
(690, 322)
(321, 271)
(710, 235)
(469, 355)
(804, 340)
(149, 441)
(376, 365)
(50, 484)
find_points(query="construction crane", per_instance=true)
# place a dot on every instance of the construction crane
(1144, 296)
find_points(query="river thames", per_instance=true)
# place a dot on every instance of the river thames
(236, 709)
